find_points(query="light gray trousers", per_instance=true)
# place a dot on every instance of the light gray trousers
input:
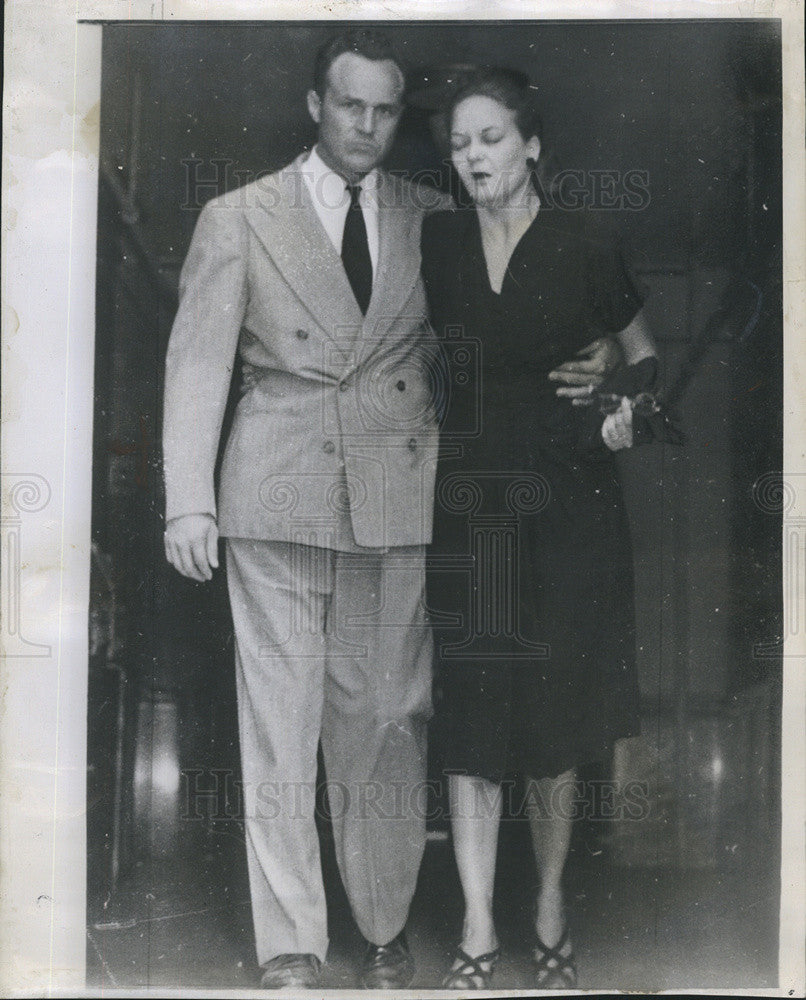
(333, 646)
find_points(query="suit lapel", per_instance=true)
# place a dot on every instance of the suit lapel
(286, 223)
(398, 259)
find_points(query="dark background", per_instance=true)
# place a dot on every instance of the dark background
(697, 105)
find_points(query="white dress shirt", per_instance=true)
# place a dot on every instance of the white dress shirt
(331, 199)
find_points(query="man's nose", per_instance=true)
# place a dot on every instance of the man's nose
(366, 121)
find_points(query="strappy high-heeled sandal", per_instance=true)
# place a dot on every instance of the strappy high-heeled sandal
(555, 971)
(473, 973)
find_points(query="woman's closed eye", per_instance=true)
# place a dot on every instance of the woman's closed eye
(460, 142)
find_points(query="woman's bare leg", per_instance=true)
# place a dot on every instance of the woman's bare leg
(550, 819)
(475, 817)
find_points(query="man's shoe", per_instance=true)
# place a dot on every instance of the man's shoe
(300, 972)
(387, 966)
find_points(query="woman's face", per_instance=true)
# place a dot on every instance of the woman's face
(489, 151)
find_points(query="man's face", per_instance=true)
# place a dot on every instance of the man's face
(358, 113)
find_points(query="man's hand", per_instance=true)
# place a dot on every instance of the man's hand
(191, 545)
(598, 359)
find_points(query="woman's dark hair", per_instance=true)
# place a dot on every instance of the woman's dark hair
(506, 86)
(366, 42)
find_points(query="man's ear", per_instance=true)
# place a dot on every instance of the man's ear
(314, 105)
(533, 147)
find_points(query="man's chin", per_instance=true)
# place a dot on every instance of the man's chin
(362, 163)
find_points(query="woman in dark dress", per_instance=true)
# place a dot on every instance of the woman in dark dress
(528, 509)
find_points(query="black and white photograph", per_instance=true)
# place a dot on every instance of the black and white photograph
(443, 576)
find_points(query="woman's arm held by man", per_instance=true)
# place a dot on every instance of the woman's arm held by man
(638, 346)
(636, 341)
(602, 356)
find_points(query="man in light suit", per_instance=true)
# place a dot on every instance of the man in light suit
(325, 502)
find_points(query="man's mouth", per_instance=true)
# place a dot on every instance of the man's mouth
(480, 175)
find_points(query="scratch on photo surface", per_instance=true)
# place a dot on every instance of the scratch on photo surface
(107, 971)
(136, 922)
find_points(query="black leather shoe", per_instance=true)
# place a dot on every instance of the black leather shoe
(300, 972)
(387, 966)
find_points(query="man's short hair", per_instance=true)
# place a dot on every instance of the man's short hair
(366, 42)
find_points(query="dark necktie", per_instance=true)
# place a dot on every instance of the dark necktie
(355, 250)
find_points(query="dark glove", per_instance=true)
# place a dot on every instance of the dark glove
(651, 420)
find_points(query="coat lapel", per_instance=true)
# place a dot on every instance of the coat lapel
(398, 258)
(286, 223)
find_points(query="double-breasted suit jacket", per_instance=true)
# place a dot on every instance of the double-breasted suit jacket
(334, 439)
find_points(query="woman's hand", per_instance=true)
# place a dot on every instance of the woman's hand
(617, 427)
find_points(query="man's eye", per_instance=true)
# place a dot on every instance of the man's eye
(491, 140)
(459, 143)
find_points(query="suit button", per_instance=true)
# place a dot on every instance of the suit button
(344, 386)
(401, 385)
(412, 444)
(302, 334)
(328, 447)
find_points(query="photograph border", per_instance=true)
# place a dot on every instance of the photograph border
(51, 129)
